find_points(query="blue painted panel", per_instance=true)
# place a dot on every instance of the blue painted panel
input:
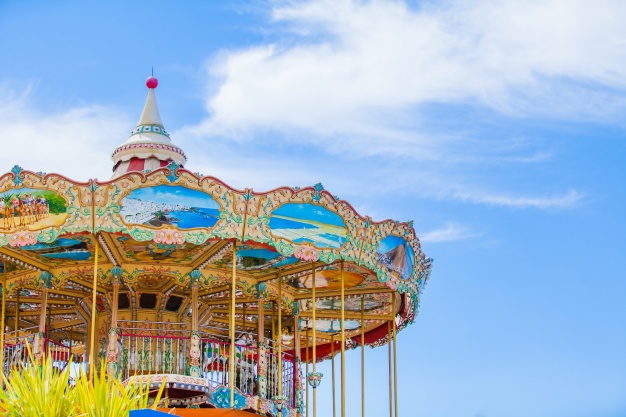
(147, 413)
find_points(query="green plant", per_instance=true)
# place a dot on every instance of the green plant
(42, 390)
(37, 390)
(104, 396)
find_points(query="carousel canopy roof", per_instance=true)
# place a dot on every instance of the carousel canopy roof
(149, 145)
(160, 230)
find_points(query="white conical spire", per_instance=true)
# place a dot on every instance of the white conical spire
(149, 145)
(150, 114)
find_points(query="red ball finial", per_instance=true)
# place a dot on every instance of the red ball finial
(152, 82)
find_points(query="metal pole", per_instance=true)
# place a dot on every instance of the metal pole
(395, 359)
(306, 354)
(332, 364)
(343, 346)
(280, 340)
(363, 356)
(390, 369)
(17, 314)
(4, 292)
(272, 346)
(93, 310)
(314, 344)
(233, 298)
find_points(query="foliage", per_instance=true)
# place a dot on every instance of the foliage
(33, 390)
(7, 198)
(108, 397)
(37, 390)
(56, 203)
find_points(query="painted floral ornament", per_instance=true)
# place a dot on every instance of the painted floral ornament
(306, 253)
(169, 237)
(392, 283)
(23, 239)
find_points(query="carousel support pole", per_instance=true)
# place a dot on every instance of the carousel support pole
(194, 345)
(280, 341)
(272, 347)
(314, 341)
(306, 366)
(395, 359)
(243, 319)
(332, 365)
(296, 356)
(17, 314)
(390, 369)
(4, 292)
(113, 349)
(261, 346)
(343, 346)
(233, 299)
(40, 337)
(94, 318)
(362, 356)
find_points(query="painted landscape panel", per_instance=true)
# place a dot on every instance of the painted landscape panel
(78, 248)
(329, 326)
(165, 205)
(397, 255)
(259, 258)
(31, 209)
(308, 223)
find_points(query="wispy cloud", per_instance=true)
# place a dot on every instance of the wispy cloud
(417, 88)
(363, 70)
(549, 202)
(450, 232)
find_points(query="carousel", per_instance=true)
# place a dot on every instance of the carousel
(232, 297)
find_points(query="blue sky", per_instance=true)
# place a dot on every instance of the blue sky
(498, 127)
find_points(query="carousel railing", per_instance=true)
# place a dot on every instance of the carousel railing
(152, 352)
(16, 347)
(19, 345)
(288, 372)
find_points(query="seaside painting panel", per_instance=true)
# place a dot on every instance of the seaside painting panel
(166, 205)
(308, 223)
(75, 248)
(253, 258)
(397, 255)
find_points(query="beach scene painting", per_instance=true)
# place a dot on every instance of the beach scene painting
(165, 205)
(77, 248)
(258, 258)
(397, 255)
(31, 209)
(308, 223)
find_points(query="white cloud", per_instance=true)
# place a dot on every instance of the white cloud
(360, 69)
(76, 142)
(450, 232)
(569, 199)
